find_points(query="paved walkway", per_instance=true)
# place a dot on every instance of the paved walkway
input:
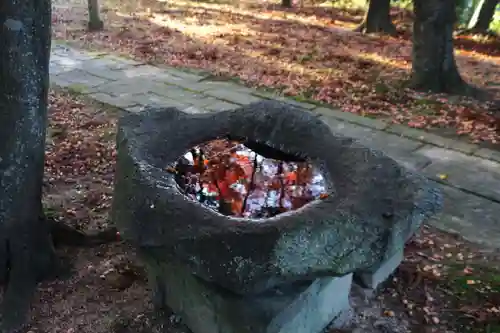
(471, 188)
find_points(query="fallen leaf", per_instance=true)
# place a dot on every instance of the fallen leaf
(443, 176)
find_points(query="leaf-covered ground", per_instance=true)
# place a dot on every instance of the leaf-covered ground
(79, 164)
(305, 52)
(444, 285)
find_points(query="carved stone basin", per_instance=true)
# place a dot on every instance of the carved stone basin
(373, 204)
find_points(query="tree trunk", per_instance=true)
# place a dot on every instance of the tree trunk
(483, 15)
(377, 18)
(26, 251)
(286, 3)
(434, 67)
(95, 23)
(465, 9)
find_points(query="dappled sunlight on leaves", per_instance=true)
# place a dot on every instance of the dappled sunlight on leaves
(303, 52)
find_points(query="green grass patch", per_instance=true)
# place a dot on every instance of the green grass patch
(476, 297)
(50, 213)
(78, 88)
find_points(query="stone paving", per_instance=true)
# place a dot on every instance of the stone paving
(471, 187)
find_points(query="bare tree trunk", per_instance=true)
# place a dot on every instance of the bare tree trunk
(434, 67)
(377, 18)
(483, 15)
(26, 251)
(95, 23)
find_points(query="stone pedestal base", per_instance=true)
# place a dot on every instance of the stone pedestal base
(306, 307)
(373, 278)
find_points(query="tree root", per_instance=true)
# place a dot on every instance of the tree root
(386, 28)
(458, 87)
(29, 259)
(477, 31)
(66, 235)
(95, 26)
(23, 272)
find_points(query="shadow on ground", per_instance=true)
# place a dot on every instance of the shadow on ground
(301, 52)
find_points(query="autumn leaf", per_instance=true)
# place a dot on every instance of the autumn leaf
(443, 176)
(171, 170)
(236, 207)
(291, 177)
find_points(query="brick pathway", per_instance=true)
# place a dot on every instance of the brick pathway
(472, 188)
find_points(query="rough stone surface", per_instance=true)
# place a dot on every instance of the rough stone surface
(56, 68)
(205, 85)
(180, 94)
(463, 171)
(373, 277)
(183, 74)
(111, 62)
(373, 207)
(373, 138)
(325, 302)
(474, 218)
(78, 77)
(193, 109)
(307, 106)
(70, 53)
(397, 147)
(432, 138)
(154, 99)
(105, 73)
(205, 308)
(130, 87)
(110, 68)
(411, 161)
(279, 97)
(135, 109)
(233, 96)
(205, 101)
(113, 100)
(353, 118)
(488, 154)
(221, 106)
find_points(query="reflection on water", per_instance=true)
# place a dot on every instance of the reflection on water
(232, 179)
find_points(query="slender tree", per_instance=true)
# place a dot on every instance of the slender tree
(95, 23)
(482, 17)
(434, 67)
(26, 251)
(377, 18)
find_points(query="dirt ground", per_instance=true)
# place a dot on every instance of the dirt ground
(104, 289)
(444, 285)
